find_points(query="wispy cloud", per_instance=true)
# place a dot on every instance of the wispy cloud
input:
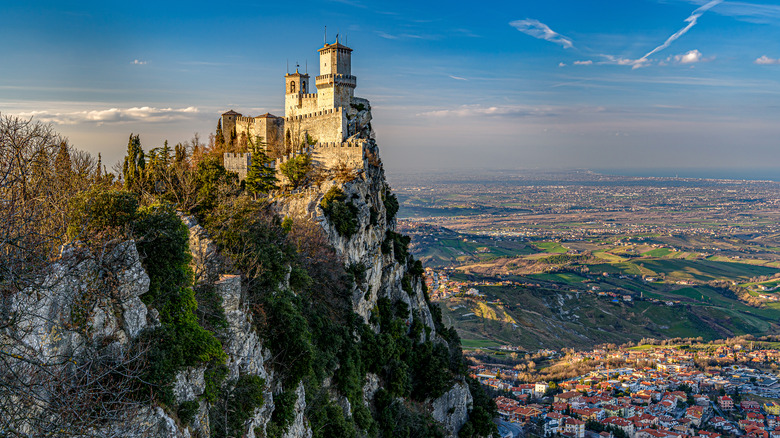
(691, 20)
(745, 11)
(114, 115)
(588, 62)
(138, 62)
(512, 111)
(458, 78)
(385, 35)
(765, 60)
(537, 29)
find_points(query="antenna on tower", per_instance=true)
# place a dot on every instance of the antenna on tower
(326, 34)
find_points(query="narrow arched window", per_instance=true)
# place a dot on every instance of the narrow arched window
(303, 87)
(292, 87)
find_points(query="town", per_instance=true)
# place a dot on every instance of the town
(646, 391)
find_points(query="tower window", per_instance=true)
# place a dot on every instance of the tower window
(292, 87)
(303, 87)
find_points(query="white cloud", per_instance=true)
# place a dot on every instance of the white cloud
(588, 62)
(691, 57)
(561, 64)
(114, 115)
(139, 62)
(765, 60)
(537, 29)
(458, 78)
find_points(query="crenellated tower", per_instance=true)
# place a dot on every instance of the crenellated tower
(335, 84)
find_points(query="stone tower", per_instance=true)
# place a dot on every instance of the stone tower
(298, 95)
(335, 84)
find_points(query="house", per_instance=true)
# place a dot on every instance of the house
(568, 397)
(695, 414)
(540, 388)
(621, 423)
(574, 427)
(726, 403)
(772, 408)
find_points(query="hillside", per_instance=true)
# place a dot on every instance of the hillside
(533, 318)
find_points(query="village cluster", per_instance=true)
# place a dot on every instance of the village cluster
(663, 395)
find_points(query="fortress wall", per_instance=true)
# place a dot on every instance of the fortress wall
(324, 126)
(326, 155)
(238, 163)
(333, 154)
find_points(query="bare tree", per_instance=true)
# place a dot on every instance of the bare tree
(66, 366)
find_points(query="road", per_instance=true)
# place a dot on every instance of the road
(507, 429)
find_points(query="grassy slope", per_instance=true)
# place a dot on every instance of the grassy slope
(551, 319)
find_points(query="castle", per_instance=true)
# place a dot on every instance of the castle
(330, 122)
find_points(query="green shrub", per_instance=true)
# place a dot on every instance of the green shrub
(287, 335)
(398, 244)
(406, 285)
(163, 243)
(101, 210)
(357, 273)
(297, 169)
(391, 205)
(283, 415)
(341, 213)
(213, 378)
(187, 411)
(237, 403)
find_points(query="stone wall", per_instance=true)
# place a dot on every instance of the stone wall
(238, 163)
(328, 125)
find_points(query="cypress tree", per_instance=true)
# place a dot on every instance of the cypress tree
(134, 164)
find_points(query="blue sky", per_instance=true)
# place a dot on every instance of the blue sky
(516, 84)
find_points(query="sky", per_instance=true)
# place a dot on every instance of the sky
(554, 84)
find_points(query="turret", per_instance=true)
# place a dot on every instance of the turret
(335, 84)
(297, 83)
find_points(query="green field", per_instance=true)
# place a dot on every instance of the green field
(561, 277)
(658, 252)
(682, 269)
(551, 247)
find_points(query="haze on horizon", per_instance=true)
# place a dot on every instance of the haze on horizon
(646, 84)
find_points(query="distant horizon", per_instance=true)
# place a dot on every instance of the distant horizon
(753, 175)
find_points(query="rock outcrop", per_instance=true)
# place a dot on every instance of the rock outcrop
(452, 408)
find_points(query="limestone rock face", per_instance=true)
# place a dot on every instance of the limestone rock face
(300, 427)
(452, 408)
(383, 272)
(85, 300)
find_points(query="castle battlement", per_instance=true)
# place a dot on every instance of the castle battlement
(325, 112)
(330, 79)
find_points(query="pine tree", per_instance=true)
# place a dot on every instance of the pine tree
(260, 178)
